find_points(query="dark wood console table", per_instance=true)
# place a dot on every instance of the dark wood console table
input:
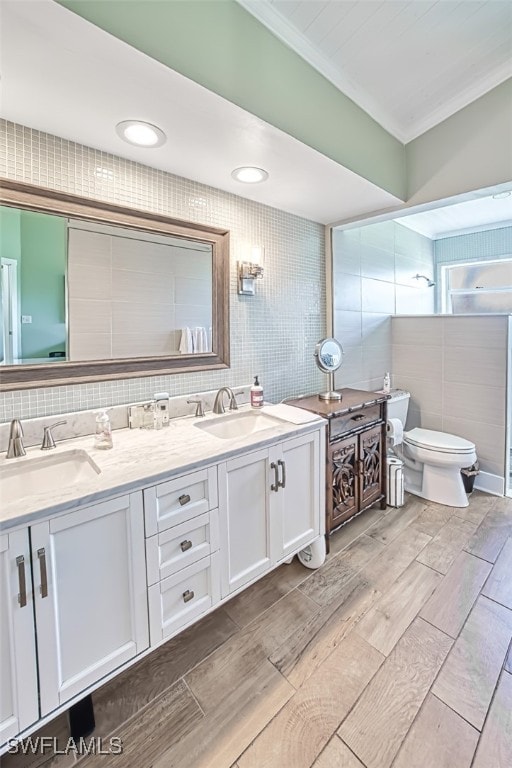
(355, 452)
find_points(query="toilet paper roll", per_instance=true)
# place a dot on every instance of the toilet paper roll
(395, 431)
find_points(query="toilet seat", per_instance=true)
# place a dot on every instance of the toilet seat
(440, 442)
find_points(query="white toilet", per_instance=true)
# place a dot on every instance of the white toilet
(432, 460)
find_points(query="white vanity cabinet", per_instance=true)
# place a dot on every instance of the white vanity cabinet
(90, 595)
(87, 591)
(269, 505)
(18, 673)
(182, 530)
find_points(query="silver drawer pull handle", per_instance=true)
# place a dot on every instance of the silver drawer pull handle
(275, 484)
(358, 417)
(42, 566)
(187, 544)
(184, 499)
(188, 595)
(282, 482)
(22, 594)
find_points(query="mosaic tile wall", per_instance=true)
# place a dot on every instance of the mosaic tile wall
(273, 334)
(489, 244)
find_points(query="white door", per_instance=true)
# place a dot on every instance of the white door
(18, 672)
(299, 495)
(247, 529)
(10, 315)
(90, 595)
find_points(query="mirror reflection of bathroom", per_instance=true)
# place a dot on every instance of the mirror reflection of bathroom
(72, 290)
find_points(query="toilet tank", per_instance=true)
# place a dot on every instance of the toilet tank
(398, 405)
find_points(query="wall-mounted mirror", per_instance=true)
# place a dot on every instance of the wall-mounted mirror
(93, 291)
(329, 356)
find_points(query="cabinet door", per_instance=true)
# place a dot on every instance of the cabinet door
(18, 673)
(372, 454)
(248, 534)
(90, 595)
(299, 495)
(343, 477)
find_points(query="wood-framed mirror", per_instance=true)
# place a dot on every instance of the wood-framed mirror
(136, 293)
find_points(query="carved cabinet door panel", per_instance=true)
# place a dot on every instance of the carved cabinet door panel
(372, 457)
(343, 478)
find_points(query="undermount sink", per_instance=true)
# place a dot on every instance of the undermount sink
(28, 477)
(238, 424)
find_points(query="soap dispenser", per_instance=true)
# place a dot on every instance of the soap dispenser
(256, 394)
(386, 387)
(103, 435)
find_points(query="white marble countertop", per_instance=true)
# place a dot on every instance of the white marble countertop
(141, 458)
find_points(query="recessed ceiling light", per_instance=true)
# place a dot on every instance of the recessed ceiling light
(249, 175)
(501, 195)
(141, 134)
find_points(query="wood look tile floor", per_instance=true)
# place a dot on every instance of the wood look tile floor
(397, 653)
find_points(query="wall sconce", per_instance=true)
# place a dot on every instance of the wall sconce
(430, 283)
(249, 272)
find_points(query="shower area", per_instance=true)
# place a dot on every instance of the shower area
(483, 287)
(437, 314)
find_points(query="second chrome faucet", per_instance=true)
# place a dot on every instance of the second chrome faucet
(218, 405)
(15, 446)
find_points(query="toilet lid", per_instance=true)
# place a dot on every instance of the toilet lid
(438, 441)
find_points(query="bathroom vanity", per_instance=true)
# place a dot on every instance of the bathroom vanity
(355, 452)
(100, 571)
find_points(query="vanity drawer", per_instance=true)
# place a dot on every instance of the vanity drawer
(182, 545)
(181, 598)
(176, 501)
(340, 425)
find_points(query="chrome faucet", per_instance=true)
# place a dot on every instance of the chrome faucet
(48, 439)
(15, 447)
(199, 406)
(218, 405)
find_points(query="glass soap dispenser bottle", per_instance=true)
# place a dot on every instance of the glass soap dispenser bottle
(103, 435)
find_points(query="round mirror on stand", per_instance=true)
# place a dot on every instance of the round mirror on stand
(329, 356)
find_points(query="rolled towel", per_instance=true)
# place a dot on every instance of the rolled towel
(186, 342)
(195, 339)
(200, 339)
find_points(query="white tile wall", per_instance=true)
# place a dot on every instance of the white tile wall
(273, 334)
(373, 269)
(455, 369)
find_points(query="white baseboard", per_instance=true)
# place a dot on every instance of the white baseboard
(489, 483)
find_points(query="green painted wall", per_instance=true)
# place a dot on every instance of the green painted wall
(218, 44)
(43, 265)
(10, 248)
(10, 245)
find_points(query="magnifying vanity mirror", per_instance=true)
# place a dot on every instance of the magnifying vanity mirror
(94, 291)
(329, 356)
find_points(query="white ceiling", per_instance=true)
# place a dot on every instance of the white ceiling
(461, 218)
(64, 76)
(408, 63)
(76, 81)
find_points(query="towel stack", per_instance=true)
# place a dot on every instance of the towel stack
(194, 340)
